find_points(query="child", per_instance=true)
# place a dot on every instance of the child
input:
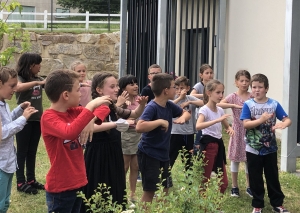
(29, 88)
(156, 124)
(12, 122)
(130, 138)
(183, 135)
(206, 74)
(259, 118)
(103, 155)
(61, 125)
(152, 71)
(236, 148)
(211, 118)
(85, 84)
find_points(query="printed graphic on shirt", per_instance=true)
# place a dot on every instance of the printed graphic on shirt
(74, 144)
(36, 92)
(262, 138)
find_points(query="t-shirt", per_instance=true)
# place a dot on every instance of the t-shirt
(60, 131)
(199, 87)
(156, 143)
(34, 96)
(146, 91)
(209, 115)
(261, 140)
(85, 94)
(189, 127)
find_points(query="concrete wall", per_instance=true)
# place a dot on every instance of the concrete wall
(100, 52)
(255, 41)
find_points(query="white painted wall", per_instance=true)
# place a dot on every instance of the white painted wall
(255, 42)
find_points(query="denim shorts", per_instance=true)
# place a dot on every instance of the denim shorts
(151, 169)
(66, 201)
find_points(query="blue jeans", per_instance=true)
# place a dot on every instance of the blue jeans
(5, 190)
(64, 202)
(198, 137)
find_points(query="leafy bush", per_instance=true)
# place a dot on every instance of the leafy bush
(188, 194)
(19, 39)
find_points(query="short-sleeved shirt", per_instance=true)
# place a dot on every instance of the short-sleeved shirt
(147, 91)
(199, 87)
(261, 140)
(156, 143)
(189, 127)
(209, 115)
(34, 96)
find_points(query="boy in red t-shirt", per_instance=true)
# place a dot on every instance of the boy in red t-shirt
(61, 126)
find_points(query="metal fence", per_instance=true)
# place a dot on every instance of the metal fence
(190, 38)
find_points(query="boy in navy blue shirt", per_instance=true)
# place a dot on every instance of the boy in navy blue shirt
(259, 118)
(156, 124)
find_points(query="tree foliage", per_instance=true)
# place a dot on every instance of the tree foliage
(93, 6)
(19, 39)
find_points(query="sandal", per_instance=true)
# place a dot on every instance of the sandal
(27, 189)
(36, 185)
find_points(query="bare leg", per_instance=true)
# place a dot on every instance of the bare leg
(234, 176)
(133, 175)
(147, 196)
(127, 159)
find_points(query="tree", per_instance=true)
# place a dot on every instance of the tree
(93, 6)
(18, 38)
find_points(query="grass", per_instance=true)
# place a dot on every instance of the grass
(23, 203)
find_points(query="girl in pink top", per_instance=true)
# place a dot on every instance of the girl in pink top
(85, 85)
(237, 145)
(130, 139)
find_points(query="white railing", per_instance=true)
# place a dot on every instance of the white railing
(47, 18)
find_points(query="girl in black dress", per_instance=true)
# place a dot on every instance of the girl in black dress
(103, 155)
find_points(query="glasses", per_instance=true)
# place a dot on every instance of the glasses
(154, 73)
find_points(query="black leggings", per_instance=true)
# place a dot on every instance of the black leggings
(27, 143)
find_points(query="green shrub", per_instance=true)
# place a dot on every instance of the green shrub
(188, 195)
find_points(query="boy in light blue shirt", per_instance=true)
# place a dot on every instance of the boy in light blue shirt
(12, 122)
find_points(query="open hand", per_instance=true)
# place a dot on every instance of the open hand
(142, 100)
(87, 133)
(29, 111)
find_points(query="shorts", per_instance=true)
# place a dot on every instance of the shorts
(130, 140)
(151, 170)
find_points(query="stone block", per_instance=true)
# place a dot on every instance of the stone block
(48, 65)
(68, 49)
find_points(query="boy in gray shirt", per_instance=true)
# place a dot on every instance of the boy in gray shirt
(182, 135)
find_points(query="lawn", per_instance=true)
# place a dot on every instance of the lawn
(23, 203)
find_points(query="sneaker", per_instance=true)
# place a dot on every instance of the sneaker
(249, 192)
(131, 205)
(280, 209)
(139, 179)
(257, 210)
(235, 192)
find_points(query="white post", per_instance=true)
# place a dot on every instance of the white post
(45, 19)
(1, 14)
(87, 17)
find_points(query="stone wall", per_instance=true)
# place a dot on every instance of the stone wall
(100, 52)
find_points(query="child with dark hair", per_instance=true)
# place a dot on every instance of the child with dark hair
(259, 115)
(12, 122)
(156, 124)
(29, 88)
(103, 155)
(182, 136)
(62, 125)
(130, 138)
